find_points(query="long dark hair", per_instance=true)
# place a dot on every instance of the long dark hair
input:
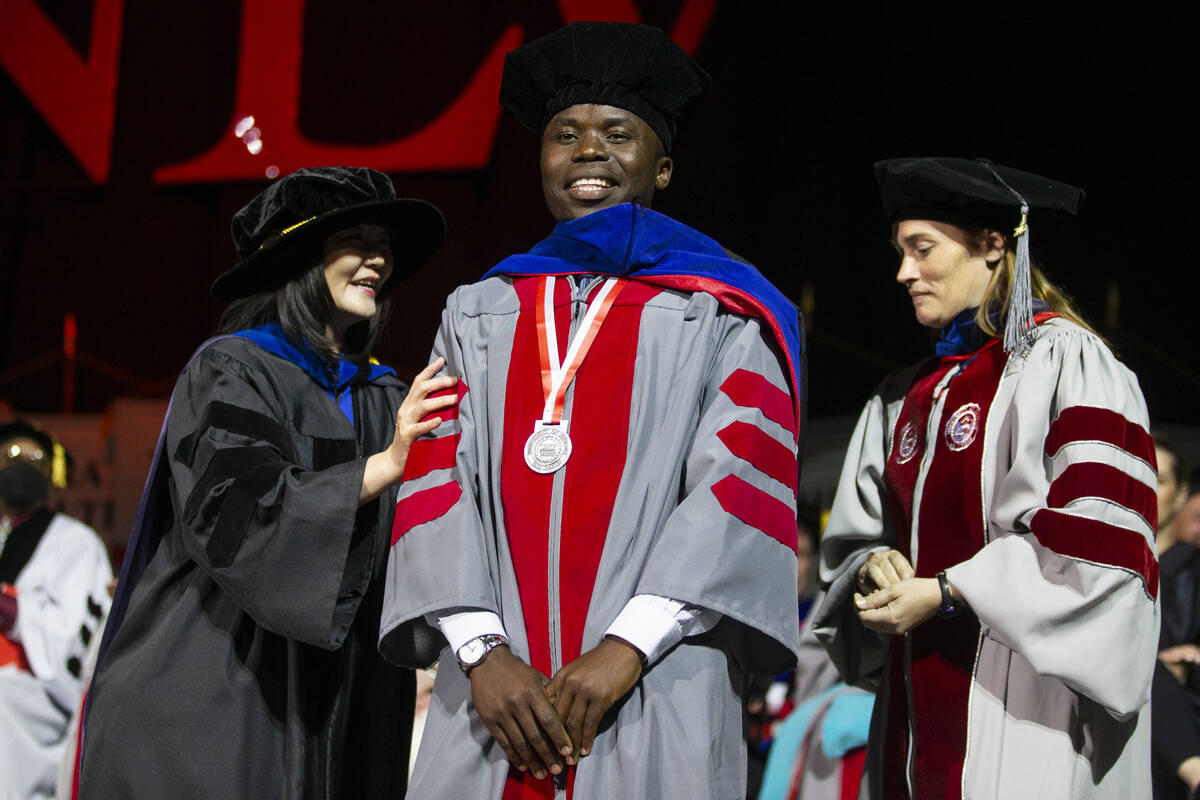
(301, 306)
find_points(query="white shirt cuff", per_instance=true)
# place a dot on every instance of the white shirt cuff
(461, 626)
(655, 624)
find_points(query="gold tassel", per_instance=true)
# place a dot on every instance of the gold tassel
(58, 467)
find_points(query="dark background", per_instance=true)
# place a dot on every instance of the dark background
(778, 169)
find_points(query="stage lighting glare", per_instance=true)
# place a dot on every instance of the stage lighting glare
(244, 124)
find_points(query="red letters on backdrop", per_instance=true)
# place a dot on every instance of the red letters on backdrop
(77, 98)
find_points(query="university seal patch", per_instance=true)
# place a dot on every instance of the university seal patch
(908, 443)
(963, 427)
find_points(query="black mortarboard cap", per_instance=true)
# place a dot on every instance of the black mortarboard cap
(622, 64)
(962, 192)
(979, 193)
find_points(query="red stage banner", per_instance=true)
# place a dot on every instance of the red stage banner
(77, 97)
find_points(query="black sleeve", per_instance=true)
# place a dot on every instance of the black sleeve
(1175, 723)
(273, 534)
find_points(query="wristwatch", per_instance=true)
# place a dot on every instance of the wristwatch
(949, 607)
(471, 653)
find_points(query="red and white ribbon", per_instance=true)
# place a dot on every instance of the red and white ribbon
(557, 375)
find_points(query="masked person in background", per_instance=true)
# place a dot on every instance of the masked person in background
(54, 574)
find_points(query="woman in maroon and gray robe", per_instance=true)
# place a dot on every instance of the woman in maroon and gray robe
(989, 556)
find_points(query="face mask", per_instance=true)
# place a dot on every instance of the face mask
(23, 487)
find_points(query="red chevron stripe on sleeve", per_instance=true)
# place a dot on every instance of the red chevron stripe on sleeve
(751, 444)
(751, 390)
(757, 509)
(1090, 424)
(449, 413)
(427, 455)
(1092, 479)
(424, 506)
(1097, 542)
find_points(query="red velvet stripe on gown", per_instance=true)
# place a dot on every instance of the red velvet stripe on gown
(598, 431)
(950, 529)
(900, 475)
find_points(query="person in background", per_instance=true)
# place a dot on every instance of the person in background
(1173, 490)
(989, 556)
(771, 698)
(819, 733)
(1175, 736)
(240, 659)
(1185, 527)
(54, 574)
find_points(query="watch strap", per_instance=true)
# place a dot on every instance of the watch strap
(487, 643)
(949, 607)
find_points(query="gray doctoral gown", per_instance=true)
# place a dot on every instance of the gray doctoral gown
(681, 484)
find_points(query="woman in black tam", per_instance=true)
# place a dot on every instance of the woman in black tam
(240, 657)
(989, 555)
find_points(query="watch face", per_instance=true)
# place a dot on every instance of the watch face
(472, 651)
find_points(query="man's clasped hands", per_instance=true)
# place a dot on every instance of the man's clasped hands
(541, 723)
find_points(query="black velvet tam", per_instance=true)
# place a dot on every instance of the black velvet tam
(282, 231)
(967, 193)
(634, 67)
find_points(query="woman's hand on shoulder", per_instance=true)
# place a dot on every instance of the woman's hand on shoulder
(417, 416)
(899, 607)
(882, 569)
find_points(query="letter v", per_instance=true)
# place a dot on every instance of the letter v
(76, 98)
(268, 90)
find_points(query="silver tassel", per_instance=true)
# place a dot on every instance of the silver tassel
(1018, 329)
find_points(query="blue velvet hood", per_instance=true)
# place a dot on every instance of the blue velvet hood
(632, 241)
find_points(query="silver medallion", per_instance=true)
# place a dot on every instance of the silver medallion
(908, 443)
(547, 448)
(962, 427)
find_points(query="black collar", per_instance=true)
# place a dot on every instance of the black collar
(21, 542)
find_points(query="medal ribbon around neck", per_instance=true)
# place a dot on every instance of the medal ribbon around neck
(549, 446)
(556, 375)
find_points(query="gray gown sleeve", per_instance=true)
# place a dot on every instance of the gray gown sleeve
(1069, 577)
(859, 524)
(271, 532)
(433, 568)
(728, 545)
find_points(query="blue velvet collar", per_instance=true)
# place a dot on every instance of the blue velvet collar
(632, 240)
(963, 335)
(270, 337)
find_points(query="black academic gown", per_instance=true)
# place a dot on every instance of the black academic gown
(245, 665)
